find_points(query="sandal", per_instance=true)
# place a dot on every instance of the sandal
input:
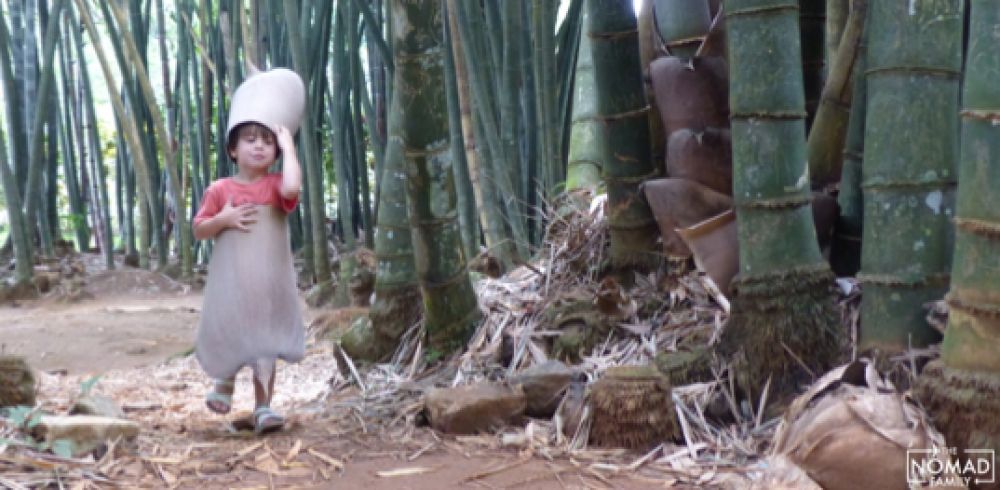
(266, 421)
(220, 399)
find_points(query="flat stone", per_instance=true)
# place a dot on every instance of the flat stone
(87, 432)
(97, 405)
(475, 408)
(544, 385)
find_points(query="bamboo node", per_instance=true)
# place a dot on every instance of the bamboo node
(991, 115)
(890, 280)
(640, 112)
(778, 202)
(979, 227)
(765, 10)
(613, 36)
(976, 309)
(920, 70)
(778, 115)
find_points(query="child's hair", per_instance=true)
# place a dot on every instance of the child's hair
(254, 129)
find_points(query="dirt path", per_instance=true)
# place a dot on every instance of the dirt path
(133, 336)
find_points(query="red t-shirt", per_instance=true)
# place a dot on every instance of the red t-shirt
(266, 190)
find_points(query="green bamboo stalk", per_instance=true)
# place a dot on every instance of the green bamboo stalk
(450, 305)
(542, 21)
(845, 252)
(357, 85)
(313, 175)
(149, 220)
(465, 191)
(914, 62)
(19, 230)
(682, 24)
(622, 108)
(837, 13)
(960, 390)
(585, 165)
(128, 129)
(17, 111)
(397, 303)
(74, 169)
(504, 238)
(89, 138)
(375, 34)
(568, 46)
(166, 143)
(339, 124)
(41, 104)
(829, 129)
(784, 323)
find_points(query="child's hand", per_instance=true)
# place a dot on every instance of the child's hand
(239, 217)
(285, 141)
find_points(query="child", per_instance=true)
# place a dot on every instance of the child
(251, 313)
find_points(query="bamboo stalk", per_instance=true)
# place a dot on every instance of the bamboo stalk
(450, 305)
(910, 168)
(826, 137)
(622, 108)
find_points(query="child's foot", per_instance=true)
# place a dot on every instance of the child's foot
(266, 420)
(220, 399)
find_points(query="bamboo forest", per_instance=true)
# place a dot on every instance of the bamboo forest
(499, 243)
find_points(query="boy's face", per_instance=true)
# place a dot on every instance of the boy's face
(255, 147)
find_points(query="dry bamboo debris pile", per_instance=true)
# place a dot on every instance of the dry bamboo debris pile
(658, 315)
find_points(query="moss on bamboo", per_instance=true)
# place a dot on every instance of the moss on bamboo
(914, 60)
(784, 327)
(622, 110)
(963, 404)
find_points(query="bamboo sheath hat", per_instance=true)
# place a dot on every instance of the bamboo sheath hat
(272, 97)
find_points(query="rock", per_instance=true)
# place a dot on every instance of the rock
(474, 408)
(87, 432)
(97, 405)
(544, 385)
(17, 382)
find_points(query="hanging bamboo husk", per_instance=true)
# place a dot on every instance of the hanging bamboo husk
(704, 157)
(679, 203)
(691, 94)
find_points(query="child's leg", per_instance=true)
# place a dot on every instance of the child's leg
(265, 420)
(220, 399)
(263, 383)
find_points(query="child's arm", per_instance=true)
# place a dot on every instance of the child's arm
(291, 171)
(230, 216)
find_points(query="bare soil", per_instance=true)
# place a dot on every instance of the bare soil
(135, 330)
